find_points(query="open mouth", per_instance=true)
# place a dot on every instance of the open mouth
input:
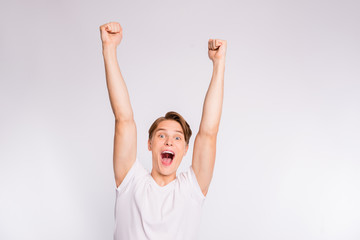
(167, 157)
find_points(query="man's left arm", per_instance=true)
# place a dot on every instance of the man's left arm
(204, 153)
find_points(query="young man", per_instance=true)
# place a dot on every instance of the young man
(160, 205)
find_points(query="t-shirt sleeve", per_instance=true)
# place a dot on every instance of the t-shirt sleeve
(188, 177)
(135, 172)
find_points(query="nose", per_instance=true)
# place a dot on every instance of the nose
(168, 142)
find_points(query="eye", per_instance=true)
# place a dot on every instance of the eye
(161, 135)
(177, 138)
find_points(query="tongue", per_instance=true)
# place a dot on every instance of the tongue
(166, 161)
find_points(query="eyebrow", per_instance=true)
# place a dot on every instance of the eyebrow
(163, 129)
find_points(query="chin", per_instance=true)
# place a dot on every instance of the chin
(166, 169)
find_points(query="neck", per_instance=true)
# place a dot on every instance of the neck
(162, 180)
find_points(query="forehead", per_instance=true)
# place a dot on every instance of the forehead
(169, 125)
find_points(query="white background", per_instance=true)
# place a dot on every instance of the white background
(288, 158)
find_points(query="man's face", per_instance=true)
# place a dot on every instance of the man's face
(168, 147)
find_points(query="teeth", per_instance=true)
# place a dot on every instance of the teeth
(168, 152)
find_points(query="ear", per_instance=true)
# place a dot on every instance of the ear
(149, 145)
(186, 149)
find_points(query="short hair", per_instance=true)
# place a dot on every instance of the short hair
(176, 117)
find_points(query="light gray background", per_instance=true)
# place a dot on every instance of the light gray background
(288, 148)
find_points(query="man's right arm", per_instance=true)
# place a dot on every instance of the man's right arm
(125, 129)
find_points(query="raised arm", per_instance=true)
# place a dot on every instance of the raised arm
(204, 152)
(125, 129)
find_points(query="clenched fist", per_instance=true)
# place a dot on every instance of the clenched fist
(111, 34)
(217, 49)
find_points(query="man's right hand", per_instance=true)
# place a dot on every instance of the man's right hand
(111, 34)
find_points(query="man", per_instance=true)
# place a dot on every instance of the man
(160, 205)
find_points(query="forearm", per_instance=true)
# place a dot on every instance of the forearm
(213, 100)
(118, 93)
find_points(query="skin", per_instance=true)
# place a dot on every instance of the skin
(203, 160)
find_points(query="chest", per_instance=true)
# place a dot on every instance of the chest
(171, 204)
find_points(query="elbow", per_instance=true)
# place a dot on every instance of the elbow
(124, 122)
(209, 132)
(124, 118)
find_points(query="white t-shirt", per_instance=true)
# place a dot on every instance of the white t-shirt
(145, 210)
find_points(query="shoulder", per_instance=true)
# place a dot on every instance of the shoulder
(136, 172)
(188, 178)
